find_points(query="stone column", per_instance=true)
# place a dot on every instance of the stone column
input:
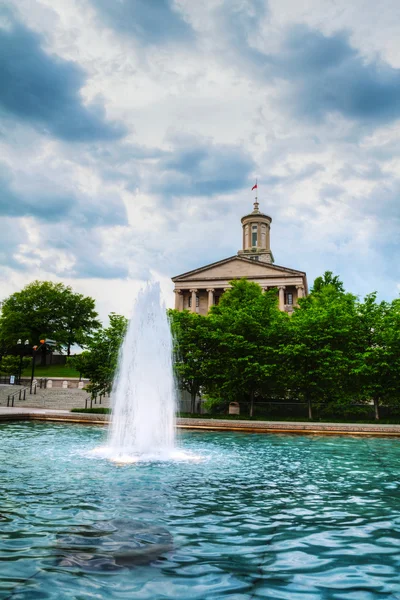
(300, 291)
(178, 300)
(193, 307)
(281, 289)
(210, 297)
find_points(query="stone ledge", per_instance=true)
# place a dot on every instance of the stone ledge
(64, 416)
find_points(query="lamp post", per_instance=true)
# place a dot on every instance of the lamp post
(21, 355)
(35, 349)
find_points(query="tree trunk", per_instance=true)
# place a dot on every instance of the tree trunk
(69, 349)
(193, 402)
(310, 415)
(376, 407)
(251, 403)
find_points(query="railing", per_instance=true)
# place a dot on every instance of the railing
(91, 398)
(20, 393)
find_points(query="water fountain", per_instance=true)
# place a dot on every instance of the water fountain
(144, 395)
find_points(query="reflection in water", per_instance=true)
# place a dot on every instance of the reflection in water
(111, 544)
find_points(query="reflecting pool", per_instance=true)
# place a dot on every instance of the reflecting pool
(255, 516)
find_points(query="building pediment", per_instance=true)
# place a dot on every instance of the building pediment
(236, 267)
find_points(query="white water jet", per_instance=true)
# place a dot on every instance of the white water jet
(144, 393)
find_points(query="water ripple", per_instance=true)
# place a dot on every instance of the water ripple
(274, 517)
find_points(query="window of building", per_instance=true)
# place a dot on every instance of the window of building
(197, 301)
(254, 257)
(254, 235)
(289, 298)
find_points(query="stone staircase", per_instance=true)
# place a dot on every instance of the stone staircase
(56, 398)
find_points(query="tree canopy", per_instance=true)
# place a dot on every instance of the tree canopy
(100, 359)
(336, 353)
(44, 309)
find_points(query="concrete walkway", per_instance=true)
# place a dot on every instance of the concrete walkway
(41, 414)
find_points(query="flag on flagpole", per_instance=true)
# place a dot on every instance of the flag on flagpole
(254, 187)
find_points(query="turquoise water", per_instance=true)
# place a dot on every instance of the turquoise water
(259, 516)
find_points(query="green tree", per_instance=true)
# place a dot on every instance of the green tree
(100, 360)
(192, 341)
(319, 355)
(79, 319)
(377, 364)
(248, 328)
(44, 309)
(327, 279)
(9, 365)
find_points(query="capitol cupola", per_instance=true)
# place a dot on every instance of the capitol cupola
(256, 236)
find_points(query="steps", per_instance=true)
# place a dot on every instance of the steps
(56, 398)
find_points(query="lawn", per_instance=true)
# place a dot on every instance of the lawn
(51, 371)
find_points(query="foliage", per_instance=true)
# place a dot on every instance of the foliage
(318, 356)
(377, 364)
(99, 362)
(9, 365)
(192, 346)
(44, 309)
(248, 328)
(337, 354)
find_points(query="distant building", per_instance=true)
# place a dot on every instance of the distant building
(199, 289)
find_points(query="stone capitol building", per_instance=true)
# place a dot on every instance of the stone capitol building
(199, 289)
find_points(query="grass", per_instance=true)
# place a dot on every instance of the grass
(98, 411)
(52, 371)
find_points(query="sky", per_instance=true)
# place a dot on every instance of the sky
(132, 131)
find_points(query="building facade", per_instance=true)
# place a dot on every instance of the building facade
(199, 289)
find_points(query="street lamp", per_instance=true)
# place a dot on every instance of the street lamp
(21, 354)
(35, 349)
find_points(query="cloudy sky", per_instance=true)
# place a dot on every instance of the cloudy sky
(132, 132)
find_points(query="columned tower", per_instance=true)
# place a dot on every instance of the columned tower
(256, 236)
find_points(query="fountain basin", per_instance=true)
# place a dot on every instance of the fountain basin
(283, 516)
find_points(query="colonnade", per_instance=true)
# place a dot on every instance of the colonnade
(211, 295)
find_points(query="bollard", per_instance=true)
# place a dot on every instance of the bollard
(8, 400)
(25, 394)
(100, 399)
(91, 401)
(20, 392)
(35, 390)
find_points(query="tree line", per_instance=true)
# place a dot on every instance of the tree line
(335, 353)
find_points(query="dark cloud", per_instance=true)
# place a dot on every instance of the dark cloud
(149, 21)
(196, 167)
(327, 75)
(40, 198)
(238, 22)
(44, 90)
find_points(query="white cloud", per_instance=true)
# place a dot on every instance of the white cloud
(330, 186)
